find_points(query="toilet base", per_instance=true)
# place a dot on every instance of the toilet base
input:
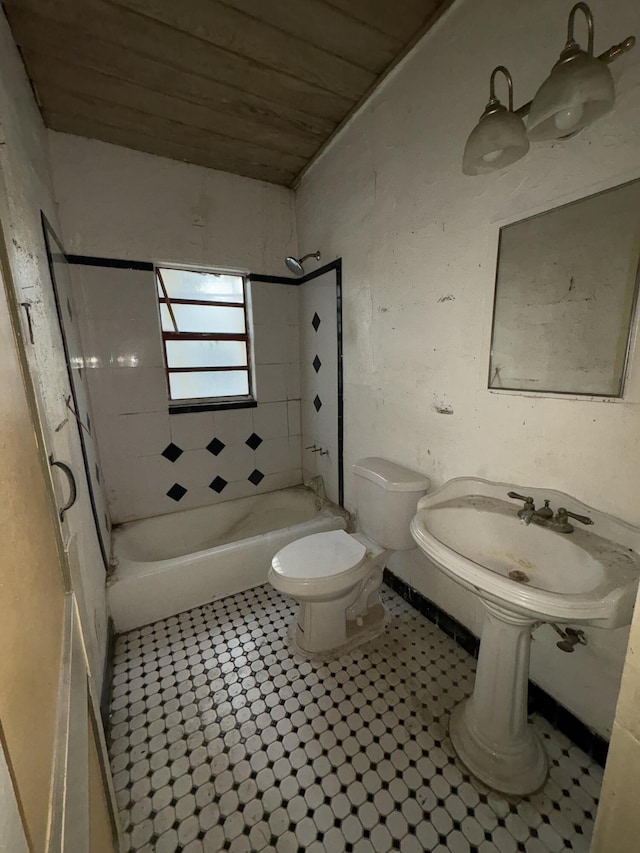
(373, 623)
(322, 627)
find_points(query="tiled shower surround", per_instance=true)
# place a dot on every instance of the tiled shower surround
(154, 462)
(224, 739)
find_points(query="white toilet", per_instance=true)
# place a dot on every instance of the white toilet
(336, 576)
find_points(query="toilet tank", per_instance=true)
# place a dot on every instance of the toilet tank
(386, 498)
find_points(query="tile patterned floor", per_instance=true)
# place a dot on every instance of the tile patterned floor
(222, 740)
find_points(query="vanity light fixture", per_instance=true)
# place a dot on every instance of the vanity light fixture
(499, 138)
(577, 92)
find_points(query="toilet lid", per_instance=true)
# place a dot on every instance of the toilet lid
(319, 556)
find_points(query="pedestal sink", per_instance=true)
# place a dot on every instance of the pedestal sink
(523, 574)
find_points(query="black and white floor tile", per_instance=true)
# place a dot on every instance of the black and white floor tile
(223, 740)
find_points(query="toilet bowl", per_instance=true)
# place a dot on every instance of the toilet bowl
(336, 576)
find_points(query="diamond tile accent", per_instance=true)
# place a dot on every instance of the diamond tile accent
(254, 441)
(255, 477)
(317, 403)
(172, 452)
(176, 492)
(315, 322)
(218, 484)
(216, 446)
(222, 738)
(317, 364)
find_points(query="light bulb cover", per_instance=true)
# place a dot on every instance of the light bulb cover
(497, 131)
(499, 138)
(581, 81)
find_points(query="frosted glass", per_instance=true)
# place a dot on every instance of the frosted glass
(232, 383)
(202, 318)
(206, 353)
(187, 284)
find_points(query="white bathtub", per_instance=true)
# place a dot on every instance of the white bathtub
(170, 563)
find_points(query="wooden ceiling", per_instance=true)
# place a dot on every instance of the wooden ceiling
(253, 87)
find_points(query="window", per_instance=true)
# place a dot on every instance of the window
(203, 316)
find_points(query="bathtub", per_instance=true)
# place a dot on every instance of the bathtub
(170, 563)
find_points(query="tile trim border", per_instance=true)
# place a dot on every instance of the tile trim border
(541, 702)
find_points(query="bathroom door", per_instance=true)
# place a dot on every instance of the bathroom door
(55, 789)
(321, 378)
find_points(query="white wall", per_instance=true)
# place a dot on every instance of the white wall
(25, 190)
(389, 197)
(118, 203)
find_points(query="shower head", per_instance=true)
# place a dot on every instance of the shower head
(296, 265)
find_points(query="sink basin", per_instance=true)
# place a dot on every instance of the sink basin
(523, 574)
(472, 532)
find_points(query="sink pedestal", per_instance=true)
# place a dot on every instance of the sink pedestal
(489, 731)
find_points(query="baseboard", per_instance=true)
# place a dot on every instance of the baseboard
(540, 701)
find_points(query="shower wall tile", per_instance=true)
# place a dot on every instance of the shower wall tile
(234, 426)
(123, 390)
(281, 480)
(278, 454)
(236, 462)
(293, 417)
(271, 382)
(129, 394)
(270, 348)
(293, 381)
(192, 431)
(270, 420)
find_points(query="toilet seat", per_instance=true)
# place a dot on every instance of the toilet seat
(320, 560)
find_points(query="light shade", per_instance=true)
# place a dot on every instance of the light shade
(497, 141)
(577, 92)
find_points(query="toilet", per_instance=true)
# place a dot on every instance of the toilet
(336, 576)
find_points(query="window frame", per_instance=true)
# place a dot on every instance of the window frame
(198, 404)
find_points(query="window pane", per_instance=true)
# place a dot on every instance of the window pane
(206, 353)
(187, 284)
(204, 384)
(202, 318)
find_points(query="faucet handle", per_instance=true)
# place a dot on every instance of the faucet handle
(563, 513)
(528, 500)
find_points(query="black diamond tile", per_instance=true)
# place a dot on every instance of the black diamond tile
(317, 364)
(255, 477)
(315, 322)
(254, 441)
(317, 403)
(176, 492)
(172, 452)
(215, 446)
(218, 484)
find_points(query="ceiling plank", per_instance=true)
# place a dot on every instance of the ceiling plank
(400, 18)
(129, 137)
(237, 33)
(177, 49)
(120, 115)
(329, 29)
(33, 33)
(48, 73)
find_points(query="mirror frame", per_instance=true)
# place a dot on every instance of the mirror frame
(634, 314)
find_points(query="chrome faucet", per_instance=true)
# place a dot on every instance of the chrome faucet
(545, 517)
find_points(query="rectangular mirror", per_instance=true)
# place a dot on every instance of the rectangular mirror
(566, 289)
